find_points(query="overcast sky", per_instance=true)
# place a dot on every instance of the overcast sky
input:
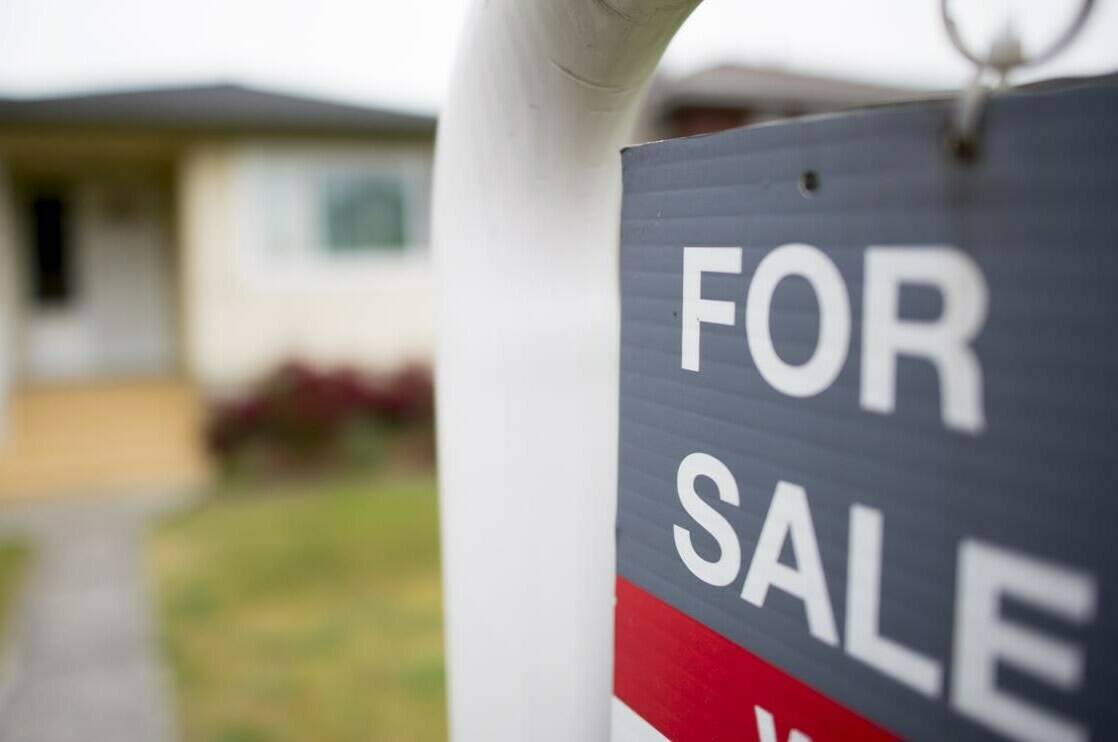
(399, 52)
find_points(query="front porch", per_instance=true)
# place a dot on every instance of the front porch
(102, 436)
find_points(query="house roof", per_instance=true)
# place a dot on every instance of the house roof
(211, 108)
(736, 86)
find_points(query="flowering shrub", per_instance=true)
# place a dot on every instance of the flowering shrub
(301, 418)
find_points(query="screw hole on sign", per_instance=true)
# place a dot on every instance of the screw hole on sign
(964, 149)
(809, 183)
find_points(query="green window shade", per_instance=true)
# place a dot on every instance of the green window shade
(364, 214)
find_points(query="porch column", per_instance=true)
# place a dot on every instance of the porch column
(9, 294)
(526, 215)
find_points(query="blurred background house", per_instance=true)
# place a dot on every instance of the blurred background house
(730, 95)
(161, 247)
(160, 243)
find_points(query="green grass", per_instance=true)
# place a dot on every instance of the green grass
(13, 560)
(309, 615)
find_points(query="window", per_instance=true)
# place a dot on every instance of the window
(51, 259)
(363, 213)
(321, 214)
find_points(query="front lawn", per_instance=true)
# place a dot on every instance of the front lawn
(13, 560)
(314, 614)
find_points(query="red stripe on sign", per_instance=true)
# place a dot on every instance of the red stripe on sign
(695, 685)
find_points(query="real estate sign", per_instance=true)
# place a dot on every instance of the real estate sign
(868, 480)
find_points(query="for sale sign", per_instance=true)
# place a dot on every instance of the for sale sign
(868, 481)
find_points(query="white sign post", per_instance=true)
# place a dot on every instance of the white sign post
(527, 193)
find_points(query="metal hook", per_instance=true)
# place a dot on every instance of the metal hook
(994, 61)
(1005, 54)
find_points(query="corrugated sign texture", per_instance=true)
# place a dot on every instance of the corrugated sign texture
(925, 506)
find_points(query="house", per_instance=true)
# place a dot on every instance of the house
(155, 243)
(729, 95)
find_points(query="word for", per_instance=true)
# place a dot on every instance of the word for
(945, 341)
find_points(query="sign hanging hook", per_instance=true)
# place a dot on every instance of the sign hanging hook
(1006, 54)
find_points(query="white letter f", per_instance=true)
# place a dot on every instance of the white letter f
(696, 309)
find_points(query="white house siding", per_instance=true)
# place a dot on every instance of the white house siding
(249, 306)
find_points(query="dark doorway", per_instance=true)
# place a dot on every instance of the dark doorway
(51, 263)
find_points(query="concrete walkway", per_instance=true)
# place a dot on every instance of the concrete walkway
(81, 661)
